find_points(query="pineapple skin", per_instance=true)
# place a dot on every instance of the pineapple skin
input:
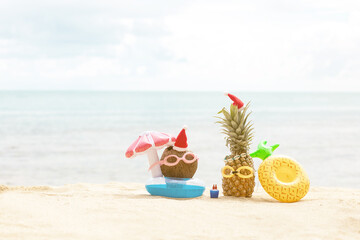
(236, 186)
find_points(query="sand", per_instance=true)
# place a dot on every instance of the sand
(126, 211)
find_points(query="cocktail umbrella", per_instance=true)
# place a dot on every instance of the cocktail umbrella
(149, 142)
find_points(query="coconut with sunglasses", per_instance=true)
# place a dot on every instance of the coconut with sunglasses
(177, 164)
(177, 161)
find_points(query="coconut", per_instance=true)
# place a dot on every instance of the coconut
(180, 170)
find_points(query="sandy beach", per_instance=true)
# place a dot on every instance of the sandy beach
(127, 211)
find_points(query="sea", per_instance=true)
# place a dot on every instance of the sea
(64, 137)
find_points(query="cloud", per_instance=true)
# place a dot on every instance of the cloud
(197, 45)
(281, 47)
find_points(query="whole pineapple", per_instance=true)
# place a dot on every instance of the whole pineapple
(239, 133)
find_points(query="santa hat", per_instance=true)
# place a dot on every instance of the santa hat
(237, 102)
(181, 141)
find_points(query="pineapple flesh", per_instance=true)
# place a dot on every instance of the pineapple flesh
(239, 133)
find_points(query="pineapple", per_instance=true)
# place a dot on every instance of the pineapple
(239, 133)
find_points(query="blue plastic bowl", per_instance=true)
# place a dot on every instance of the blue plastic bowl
(175, 187)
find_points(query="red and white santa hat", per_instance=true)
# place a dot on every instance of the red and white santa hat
(237, 102)
(181, 141)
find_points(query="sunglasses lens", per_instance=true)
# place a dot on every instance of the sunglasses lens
(227, 172)
(171, 159)
(245, 172)
(189, 157)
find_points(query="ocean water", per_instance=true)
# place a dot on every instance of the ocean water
(55, 138)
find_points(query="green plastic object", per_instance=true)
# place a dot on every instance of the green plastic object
(264, 151)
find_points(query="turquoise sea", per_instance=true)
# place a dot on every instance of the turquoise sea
(55, 138)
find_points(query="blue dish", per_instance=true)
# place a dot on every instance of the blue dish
(175, 187)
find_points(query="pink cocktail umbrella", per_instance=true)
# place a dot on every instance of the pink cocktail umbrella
(149, 142)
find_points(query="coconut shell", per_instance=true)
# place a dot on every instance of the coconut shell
(180, 170)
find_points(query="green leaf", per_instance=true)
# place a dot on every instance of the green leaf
(228, 127)
(234, 124)
(221, 110)
(232, 134)
(233, 111)
(226, 114)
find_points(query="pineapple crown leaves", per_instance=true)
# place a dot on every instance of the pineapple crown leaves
(238, 129)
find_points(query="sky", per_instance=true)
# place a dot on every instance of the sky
(180, 45)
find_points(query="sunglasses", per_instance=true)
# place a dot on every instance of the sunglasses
(232, 172)
(188, 158)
